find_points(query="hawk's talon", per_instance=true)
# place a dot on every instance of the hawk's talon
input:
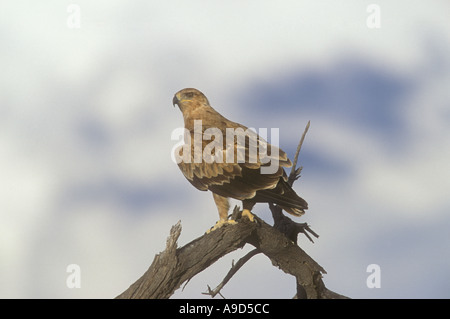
(248, 214)
(221, 223)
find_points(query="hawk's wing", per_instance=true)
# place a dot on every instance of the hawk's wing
(238, 176)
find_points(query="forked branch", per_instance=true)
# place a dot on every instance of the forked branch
(174, 266)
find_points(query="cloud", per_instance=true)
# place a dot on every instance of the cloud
(86, 117)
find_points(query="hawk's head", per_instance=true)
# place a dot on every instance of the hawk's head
(189, 99)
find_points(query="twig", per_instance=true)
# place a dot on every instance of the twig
(288, 227)
(305, 229)
(295, 172)
(283, 223)
(233, 270)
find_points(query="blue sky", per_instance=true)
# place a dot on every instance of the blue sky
(86, 119)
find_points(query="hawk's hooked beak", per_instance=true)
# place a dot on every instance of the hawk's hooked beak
(175, 100)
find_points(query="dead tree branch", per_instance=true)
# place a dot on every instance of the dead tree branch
(174, 266)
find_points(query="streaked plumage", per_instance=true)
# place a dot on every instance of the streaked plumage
(242, 179)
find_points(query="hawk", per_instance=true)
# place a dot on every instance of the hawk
(240, 167)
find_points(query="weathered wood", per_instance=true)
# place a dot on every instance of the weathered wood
(174, 266)
(289, 257)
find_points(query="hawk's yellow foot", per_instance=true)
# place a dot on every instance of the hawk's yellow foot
(220, 223)
(246, 212)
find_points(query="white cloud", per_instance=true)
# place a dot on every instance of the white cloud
(120, 71)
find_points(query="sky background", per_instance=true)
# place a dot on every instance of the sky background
(86, 118)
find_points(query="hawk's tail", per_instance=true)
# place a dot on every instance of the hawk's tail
(293, 211)
(284, 196)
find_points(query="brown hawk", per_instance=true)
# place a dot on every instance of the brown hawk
(231, 161)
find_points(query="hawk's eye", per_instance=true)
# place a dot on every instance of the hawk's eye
(189, 95)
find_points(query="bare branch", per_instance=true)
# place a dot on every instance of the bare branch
(295, 172)
(174, 266)
(233, 270)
